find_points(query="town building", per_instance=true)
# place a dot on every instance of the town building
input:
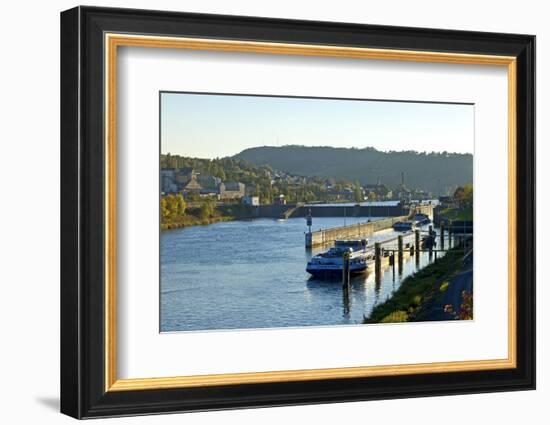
(378, 191)
(280, 200)
(253, 201)
(191, 186)
(184, 175)
(345, 194)
(182, 180)
(209, 193)
(208, 182)
(232, 190)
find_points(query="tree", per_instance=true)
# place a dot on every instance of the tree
(207, 210)
(309, 196)
(164, 211)
(193, 196)
(179, 204)
(171, 206)
(383, 190)
(464, 196)
(266, 195)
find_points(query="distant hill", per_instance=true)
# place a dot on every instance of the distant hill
(436, 172)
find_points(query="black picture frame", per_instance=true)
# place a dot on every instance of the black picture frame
(83, 392)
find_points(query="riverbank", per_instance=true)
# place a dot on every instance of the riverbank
(196, 216)
(460, 214)
(190, 220)
(422, 295)
(260, 270)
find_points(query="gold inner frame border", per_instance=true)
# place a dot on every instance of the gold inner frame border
(112, 41)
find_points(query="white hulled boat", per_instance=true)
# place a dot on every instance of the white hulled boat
(331, 262)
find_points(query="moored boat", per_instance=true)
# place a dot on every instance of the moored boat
(331, 262)
(404, 226)
(421, 219)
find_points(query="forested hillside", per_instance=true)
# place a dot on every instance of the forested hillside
(435, 172)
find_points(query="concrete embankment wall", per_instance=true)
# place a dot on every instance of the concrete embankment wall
(272, 211)
(354, 231)
(351, 211)
(276, 211)
(425, 209)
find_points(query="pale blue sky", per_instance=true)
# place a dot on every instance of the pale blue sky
(210, 126)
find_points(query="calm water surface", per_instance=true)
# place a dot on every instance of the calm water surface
(251, 274)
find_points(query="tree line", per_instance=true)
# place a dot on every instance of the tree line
(464, 196)
(438, 172)
(173, 206)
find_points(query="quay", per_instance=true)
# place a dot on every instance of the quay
(395, 250)
(363, 229)
(331, 210)
(353, 231)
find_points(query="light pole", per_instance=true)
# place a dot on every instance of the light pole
(309, 220)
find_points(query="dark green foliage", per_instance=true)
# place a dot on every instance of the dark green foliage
(464, 196)
(417, 291)
(439, 173)
(206, 209)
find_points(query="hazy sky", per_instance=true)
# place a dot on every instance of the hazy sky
(210, 126)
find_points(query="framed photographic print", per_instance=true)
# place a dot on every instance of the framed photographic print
(261, 212)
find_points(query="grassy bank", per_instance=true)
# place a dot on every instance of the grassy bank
(419, 292)
(462, 214)
(190, 220)
(196, 217)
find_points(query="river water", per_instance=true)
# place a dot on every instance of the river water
(251, 274)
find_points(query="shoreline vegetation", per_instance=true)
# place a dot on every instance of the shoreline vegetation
(457, 214)
(203, 191)
(462, 210)
(420, 296)
(175, 213)
(190, 220)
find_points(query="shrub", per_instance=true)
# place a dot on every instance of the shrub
(396, 317)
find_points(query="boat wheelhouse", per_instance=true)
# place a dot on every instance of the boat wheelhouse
(421, 219)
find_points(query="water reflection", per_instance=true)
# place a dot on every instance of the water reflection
(372, 288)
(238, 275)
(346, 301)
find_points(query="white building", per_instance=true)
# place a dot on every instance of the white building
(253, 201)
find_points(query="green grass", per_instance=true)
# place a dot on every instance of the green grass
(463, 214)
(417, 291)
